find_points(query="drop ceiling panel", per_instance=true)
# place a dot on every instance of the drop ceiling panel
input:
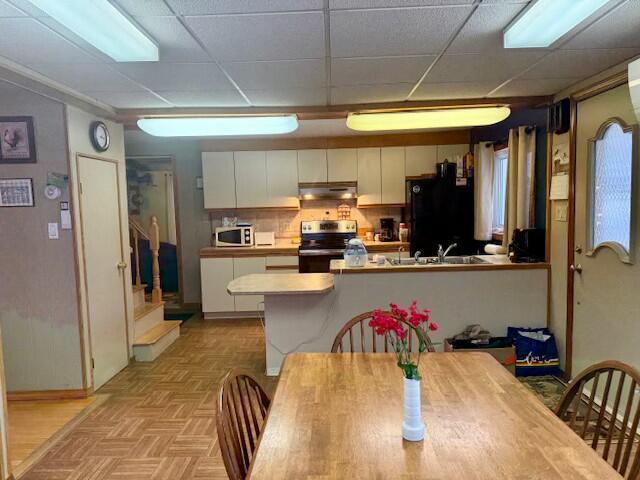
(370, 93)
(145, 8)
(7, 10)
(211, 98)
(288, 36)
(87, 77)
(483, 32)
(188, 77)
(208, 7)
(473, 67)
(141, 99)
(618, 29)
(287, 97)
(521, 88)
(352, 4)
(439, 91)
(578, 64)
(175, 42)
(24, 41)
(395, 31)
(371, 71)
(278, 74)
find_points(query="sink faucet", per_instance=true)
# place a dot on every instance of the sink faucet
(416, 257)
(443, 253)
(400, 250)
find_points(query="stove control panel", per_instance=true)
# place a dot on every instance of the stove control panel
(329, 226)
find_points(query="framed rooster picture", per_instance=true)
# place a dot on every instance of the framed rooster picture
(17, 140)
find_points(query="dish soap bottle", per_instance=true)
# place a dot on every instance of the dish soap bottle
(355, 255)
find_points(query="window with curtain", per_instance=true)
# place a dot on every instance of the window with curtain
(500, 159)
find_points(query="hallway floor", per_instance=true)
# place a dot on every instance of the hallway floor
(159, 421)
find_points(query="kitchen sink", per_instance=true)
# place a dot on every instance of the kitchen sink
(467, 260)
(462, 260)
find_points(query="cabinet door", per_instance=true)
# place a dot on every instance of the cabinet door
(251, 179)
(215, 274)
(246, 266)
(392, 173)
(420, 160)
(312, 166)
(450, 152)
(282, 178)
(342, 165)
(369, 177)
(218, 180)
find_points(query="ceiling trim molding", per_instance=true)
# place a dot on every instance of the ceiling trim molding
(601, 86)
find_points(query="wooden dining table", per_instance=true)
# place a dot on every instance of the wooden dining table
(340, 416)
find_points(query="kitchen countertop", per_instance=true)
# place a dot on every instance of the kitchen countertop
(281, 284)
(284, 247)
(495, 262)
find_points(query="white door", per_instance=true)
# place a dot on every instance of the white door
(103, 264)
(606, 304)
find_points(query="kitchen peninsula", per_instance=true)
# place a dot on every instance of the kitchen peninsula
(303, 312)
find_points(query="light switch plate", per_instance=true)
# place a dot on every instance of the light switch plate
(560, 213)
(199, 183)
(52, 230)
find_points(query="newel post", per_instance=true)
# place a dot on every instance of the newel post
(154, 244)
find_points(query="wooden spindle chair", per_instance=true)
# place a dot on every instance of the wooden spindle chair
(360, 325)
(610, 428)
(242, 411)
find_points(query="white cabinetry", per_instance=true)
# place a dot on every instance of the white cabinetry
(312, 166)
(282, 178)
(450, 152)
(215, 275)
(218, 180)
(369, 177)
(246, 266)
(392, 170)
(420, 160)
(251, 175)
(342, 165)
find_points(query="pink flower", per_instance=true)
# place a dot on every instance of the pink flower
(433, 326)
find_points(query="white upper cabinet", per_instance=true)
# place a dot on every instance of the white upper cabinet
(282, 178)
(450, 152)
(312, 166)
(392, 169)
(218, 180)
(342, 165)
(420, 160)
(251, 183)
(369, 177)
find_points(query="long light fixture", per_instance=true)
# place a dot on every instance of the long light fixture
(545, 21)
(104, 26)
(427, 119)
(222, 126)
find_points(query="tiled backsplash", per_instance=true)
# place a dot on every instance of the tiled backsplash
(286, 224)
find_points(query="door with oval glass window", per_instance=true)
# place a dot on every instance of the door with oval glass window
(606, 267)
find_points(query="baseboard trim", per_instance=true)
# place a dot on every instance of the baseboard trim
(49, 395)
(231, 315)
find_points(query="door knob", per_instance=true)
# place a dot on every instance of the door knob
(576, 268)
(122, 265)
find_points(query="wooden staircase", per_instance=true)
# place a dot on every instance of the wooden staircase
(152, 333)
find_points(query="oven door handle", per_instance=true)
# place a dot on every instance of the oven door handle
(319, 253)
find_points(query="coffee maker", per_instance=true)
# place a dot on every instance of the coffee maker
(387, 230)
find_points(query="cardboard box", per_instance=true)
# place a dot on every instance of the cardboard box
(506, 356)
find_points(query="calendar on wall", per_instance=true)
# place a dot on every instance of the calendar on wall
(16, 192)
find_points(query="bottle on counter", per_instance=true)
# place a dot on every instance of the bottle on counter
(403, 233)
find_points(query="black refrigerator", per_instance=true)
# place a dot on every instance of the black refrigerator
(441, 212)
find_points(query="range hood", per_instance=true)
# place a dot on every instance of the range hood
(328, 191)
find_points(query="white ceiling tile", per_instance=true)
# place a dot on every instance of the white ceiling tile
(176, 76)
(578, 63)
(523, 88)
(282, 36)
(28, 7)
(440, 91)
(207, 7)
(144, 8)
(395, 31)
(621, 28)
(211, 98)
(352, 4)
(141, 99)
(175, 42)
(371, 71)
(278, 74)
(24, 41)
(89, 77)
(471, 67)
(370, 93)
(483, 32)
(287, 97)
(7, 10)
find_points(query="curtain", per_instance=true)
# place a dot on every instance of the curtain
(171, 209)
(483, 191)
(520, 204)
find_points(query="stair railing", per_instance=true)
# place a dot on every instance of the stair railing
(154, 244)
(137, 232)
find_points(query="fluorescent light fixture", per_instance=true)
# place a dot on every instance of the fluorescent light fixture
(224, 126)
(104, 26)
(545, 21)
(426, 119)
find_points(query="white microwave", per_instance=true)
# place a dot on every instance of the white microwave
(234, 236)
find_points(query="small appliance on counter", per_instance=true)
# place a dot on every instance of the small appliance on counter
(527, 245)
(355, 255)
(264, 239)
(239, 236)
(387, 230)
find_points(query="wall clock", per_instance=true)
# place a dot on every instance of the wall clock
(99, 135)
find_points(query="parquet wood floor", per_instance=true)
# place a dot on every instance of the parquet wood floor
(159, 421)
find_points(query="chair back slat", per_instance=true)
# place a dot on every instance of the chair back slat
(241, 413)
(357, 327)
(585, 406)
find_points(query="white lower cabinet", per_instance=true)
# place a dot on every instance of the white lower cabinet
(246, 266)
(215, 275)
